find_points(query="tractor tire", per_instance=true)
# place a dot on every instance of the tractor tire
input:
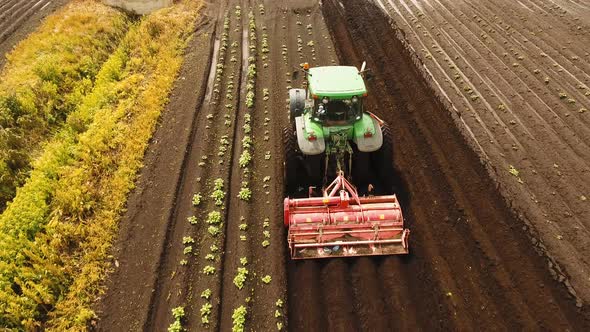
(361, 169)
(382, 161)
(292, 162)
(314, 170)
(296, 103)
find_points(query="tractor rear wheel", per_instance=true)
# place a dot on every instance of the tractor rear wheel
(382, 161)
(314, 170)
(361, 169)
(296, 102)
(292, 162)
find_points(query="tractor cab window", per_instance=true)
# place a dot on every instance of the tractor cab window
(338, 111)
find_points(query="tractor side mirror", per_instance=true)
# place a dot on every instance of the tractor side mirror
(368, 75)
(295, 74)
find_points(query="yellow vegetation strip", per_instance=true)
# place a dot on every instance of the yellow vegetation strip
(63, 220)
(44, 79)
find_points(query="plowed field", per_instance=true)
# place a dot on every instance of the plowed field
(482, 249)
(517, 75)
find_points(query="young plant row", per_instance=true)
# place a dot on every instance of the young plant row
(213, 213)
(224, 44)
(250, 85)
(239, 315)
(213, 223)
(247, 143)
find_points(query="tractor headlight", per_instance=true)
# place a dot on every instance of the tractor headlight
(355, 99)
(325, 100)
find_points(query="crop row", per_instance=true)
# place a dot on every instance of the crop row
(211, 205)
(240, 313)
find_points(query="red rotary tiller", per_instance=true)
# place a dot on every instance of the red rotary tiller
(343, 224)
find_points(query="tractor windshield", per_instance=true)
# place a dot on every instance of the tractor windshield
(338, 111)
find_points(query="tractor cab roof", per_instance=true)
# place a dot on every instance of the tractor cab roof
(336, 82)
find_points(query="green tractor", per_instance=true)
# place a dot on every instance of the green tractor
(331, 133)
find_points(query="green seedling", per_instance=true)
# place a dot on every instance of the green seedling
(241, 277)
(206, 294)
(239, 319)
(208, 270)
(196, 199)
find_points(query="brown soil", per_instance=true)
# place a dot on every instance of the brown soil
(517, 73)
(472, 263)
(18, 18)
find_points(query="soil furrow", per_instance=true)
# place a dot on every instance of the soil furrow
(8, 5)
(551, 148)
(15, 8)
(553, 171)
(12, 21)
(14, 29)
(370, 303)
(536, 102)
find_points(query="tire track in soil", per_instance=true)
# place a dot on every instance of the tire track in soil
(335, 306)
(306, 276)
(285, 40)
(470, 265)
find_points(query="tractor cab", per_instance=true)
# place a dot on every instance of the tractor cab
(328, 115)
(337, 93)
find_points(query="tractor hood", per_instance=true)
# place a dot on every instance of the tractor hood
(336, 82)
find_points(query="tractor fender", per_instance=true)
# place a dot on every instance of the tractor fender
(306, 146)
(368, 143)
(296, 102)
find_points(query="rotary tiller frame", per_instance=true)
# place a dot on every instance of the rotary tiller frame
(341, 224)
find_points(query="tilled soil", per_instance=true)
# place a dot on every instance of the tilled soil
(517, 74)
(18, 18)
(471, 265)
